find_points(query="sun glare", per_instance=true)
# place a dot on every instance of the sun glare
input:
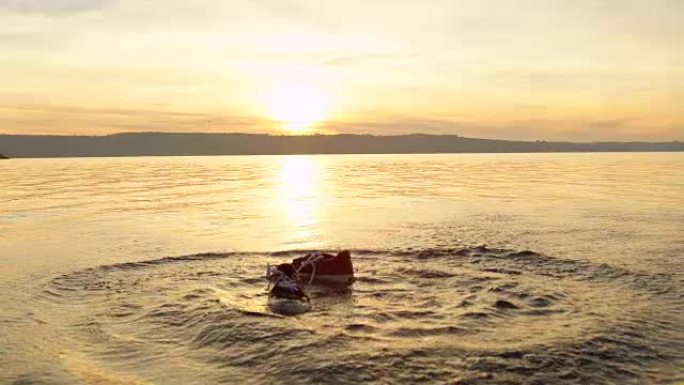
(300, 183)
(298, 107)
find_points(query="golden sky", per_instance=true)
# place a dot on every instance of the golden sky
(525, 69)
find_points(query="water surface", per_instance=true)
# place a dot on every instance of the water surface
(148, 269)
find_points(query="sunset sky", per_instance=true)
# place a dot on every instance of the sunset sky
(526, 69)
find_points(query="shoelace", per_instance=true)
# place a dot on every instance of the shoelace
(311, 260)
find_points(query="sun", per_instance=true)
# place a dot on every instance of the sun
(298, 107)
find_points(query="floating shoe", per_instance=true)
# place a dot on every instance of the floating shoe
(325, 268)
(286, 296)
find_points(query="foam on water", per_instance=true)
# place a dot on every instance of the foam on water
(464, 315)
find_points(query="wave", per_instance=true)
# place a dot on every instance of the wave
(460, 315)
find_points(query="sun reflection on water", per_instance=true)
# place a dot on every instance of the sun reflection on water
(299, 192)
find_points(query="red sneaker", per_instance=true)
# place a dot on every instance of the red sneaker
(326, 268)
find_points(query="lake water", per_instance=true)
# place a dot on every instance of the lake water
(150, 270)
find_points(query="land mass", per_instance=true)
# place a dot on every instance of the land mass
(3, 157)
(169, 144)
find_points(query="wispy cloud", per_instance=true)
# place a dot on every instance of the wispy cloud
(52, 7)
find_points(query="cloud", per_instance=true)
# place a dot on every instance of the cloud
(52, 6)
(22, 41)
(377, 59)
(593, 78)
(46, 119)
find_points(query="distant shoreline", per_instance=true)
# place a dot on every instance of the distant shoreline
(209, 144)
